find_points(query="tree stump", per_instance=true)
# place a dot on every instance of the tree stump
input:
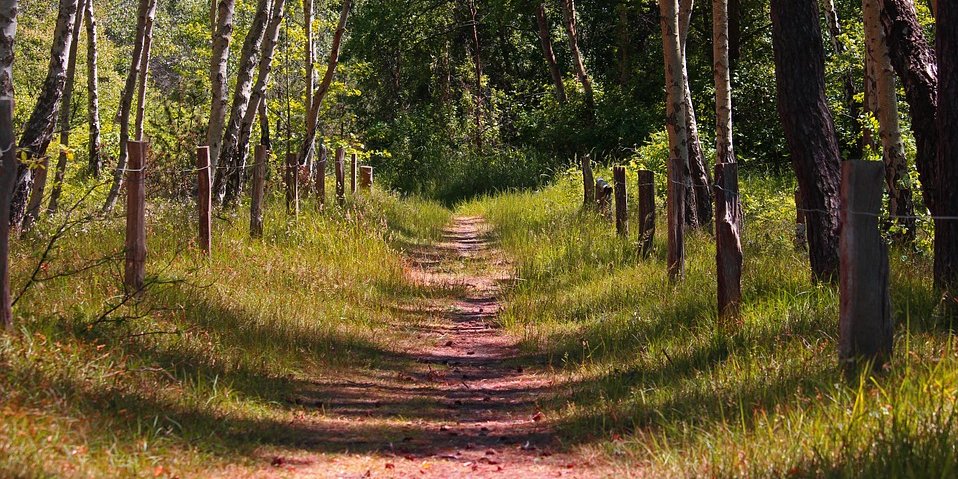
(621, 202)
(588, 183)
(728, 245)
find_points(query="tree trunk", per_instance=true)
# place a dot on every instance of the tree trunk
(310, 66)
(249, 59)
(65, 125)
(568, 10)
(946, 230)
(678, 165)
(38, 131)
(8, 152)
(477, 60)
(144, 75)
(848, 79)
(545, 39)
(900, 204)
(312, 116)
(915, 63)
(93, 92)
(809, 130)
(146, 11)
(257, 102)
(698, 198)
(222, 25)
(870, 104)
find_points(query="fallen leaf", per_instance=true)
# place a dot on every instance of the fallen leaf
(538, 416)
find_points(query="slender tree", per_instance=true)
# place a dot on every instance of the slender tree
(249, 59)
(95, 162)
(477, 62)
(915, 64)
(144, 75)
(809, 130)
(8, 151)
(65, 125)
(146, 11)
(38, 131)
(545, 40)
(698, 199)
(310, 65)
(222, 25)
(946, 227)
(678, 164)
(882, 87)
(568, 13)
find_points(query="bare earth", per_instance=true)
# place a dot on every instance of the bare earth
(459, 400)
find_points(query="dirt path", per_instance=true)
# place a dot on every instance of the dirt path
(458, 400)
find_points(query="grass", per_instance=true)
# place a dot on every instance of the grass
(199, 372)
(657, 387)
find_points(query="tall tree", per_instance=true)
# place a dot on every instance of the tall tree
(882, 87)
(698, 200)
(809, 130)
(222, 25)
(257, 102)
(310, 64)
(144, 74)
(946, 229)
(38, 131)
(93, 92)
(678, 164)
(249, 58)
(477, 63)
(914, 61)
(545, 40)
(312, 116)
(8, 151)
(568, 13)
(65, 125)
(146, 11)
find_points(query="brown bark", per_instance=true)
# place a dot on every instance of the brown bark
(545, 40)
(809, 130)
(145, 13)
(135, 264)
(38, 132)
(8, 151)
(95, 161)
(568, 11)
(915, 64)
(144, 75)
(946, 229)
(678, 165)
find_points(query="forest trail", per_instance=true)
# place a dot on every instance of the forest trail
(459, 400)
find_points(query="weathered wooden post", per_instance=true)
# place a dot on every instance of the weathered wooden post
(865, 322)
(588, 183)
(603, 195)
(135, 272)
(354, 164)
(8, 178)
(292, 184)
(675, 215)
(646, 189)
(621, 199)
(366, 178)
(728, 244)
(321, 176)
(204, 198)
(259, 190)
(340, 176)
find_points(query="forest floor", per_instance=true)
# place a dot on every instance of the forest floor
(459, 399)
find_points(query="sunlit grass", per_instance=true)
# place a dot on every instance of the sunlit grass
(665, 391)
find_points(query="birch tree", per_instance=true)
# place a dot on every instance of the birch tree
(222, 25)
(698, 206)
(678, 164)
(8, 151)
(95, 162)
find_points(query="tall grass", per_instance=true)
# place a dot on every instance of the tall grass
(665, 392)
(199, 371)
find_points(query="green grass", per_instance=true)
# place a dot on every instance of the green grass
(199, 373)
(654, 384)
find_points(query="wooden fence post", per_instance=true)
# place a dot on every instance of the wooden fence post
(321, 176)
(340, 176)
(8, 177)
(728, 244)
(352, 173)
(675, 215)
(865, 323)
(588, 183)
(603, 195)
(204, 198)
(621, 201)
(292, 184)
(259, 190)
(366, 178)
(135, 271)
(646, 189)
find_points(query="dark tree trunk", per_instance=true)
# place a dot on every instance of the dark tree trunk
(915, 64)
(545, 39)
(809, 130)
(39, 128)
(946, 229)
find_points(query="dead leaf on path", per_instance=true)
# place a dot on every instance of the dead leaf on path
(538, 416)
